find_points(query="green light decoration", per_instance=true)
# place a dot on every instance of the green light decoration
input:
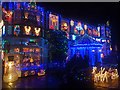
(32, 4)
(32, 40)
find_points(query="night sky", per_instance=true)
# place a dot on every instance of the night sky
(92, 13)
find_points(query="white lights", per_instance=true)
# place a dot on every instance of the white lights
(104, 75)
(103, 40)
(93, 50)
(98, 29)
(85, 27)
(102, 55)
(98, 39)
(100, 50)
(1, 24)
(73, 37)
(72, 23)
(3, 30)
(10, 74)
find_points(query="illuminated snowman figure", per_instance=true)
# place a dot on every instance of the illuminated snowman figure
(10, 74)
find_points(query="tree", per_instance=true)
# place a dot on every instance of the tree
(58, 45)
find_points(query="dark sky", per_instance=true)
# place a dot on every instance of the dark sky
(92, 13)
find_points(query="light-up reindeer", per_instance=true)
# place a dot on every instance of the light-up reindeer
(27, 30)
(37, 31)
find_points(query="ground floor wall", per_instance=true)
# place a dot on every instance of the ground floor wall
(94, 53)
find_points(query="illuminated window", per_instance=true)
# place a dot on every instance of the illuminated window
(16, 30)
(53, 22)
(27, 30)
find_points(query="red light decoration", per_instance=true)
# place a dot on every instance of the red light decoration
(25, 49)
(8, 15)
